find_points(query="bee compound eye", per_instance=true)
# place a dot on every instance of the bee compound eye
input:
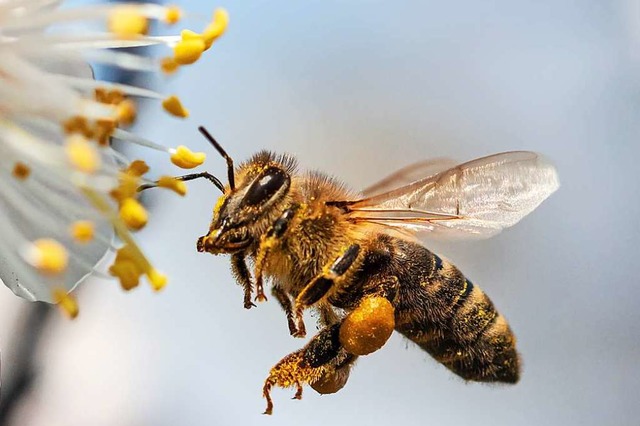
(265, 186)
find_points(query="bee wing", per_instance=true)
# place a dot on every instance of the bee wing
(474, 199)
(409, 174)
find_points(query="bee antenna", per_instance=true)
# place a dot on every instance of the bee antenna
(218, 147)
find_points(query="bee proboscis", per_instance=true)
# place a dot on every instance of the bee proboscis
(357, 259)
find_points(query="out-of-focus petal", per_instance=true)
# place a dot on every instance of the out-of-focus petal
(68, 200)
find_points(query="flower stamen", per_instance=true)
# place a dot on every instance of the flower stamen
(68, 191)
(81, 154)
(174, 107)
(183, 157)
(127, 21)
(189, 49)
(173, 15)
(133, 214)
(21, 171)
(176, 185)
(66, 302)
(216, 28)
(83, 231)
(48, 256)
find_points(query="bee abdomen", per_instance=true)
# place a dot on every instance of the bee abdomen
(462, 329)
(481, 346)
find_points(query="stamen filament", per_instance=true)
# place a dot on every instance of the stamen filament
(57, 16)
(87, 41)
(83, 83)
(138, 140)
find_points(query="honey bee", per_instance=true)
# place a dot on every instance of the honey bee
(357, 258)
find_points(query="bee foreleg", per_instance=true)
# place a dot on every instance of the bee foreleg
(241, 273)
(268, 242)
(261, 259)
(325, 281)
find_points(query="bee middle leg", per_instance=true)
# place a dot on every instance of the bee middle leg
(285, 302)
(321, 284)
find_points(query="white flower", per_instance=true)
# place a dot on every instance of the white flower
(63, 189)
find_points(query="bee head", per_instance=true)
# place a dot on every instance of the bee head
(245, 211)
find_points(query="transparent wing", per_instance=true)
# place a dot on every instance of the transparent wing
(409, 174)
(475, 199)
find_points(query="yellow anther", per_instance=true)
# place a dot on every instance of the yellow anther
(126, 112)
(49, 256)
(216, 28)
(157, 280)
(104, 129)
(176, 185)
(82, 154)
(126, 272)
(188, 50)
(133, 214)
(185, 158)
(108, 96)
(79, 125)
(137, 168)
(189, 35)
(66, 302)
(129, 265)
(127, 188)
(173, 15)
(169, 65)
(21, 171)
(174, 107)
(130, 262)
(126, 21)
(100, 94)
(83, 231)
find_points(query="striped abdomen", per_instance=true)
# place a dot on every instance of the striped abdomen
(452, 319)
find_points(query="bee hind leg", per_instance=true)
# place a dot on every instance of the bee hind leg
(322, 363)
(292, 370)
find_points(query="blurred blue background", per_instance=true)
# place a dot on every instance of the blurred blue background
(359, 89)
